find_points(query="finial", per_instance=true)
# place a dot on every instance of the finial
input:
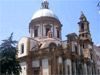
(82, 17)
(45, 4)
(82, 12)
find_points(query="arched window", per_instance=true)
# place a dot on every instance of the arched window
(83, 46)
(52, 45)
(58, 34)
(35, 32)
(45, 6)
(76, 49)
(91, 55)
(82, 35)
(47, 29)
(82, 27)
(22, 48)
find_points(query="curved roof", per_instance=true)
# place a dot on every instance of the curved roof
(44, 13)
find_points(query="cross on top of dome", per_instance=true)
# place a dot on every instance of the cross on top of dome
(45, 4)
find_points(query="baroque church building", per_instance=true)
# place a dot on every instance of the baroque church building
(44, 52)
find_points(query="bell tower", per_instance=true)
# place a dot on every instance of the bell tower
(84, 32)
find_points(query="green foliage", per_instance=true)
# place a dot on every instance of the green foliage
(9, 65)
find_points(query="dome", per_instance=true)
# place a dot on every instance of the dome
(44, 13)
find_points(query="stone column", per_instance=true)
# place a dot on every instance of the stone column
(54, 66)
(85, 68)
(79, 49)
(91, 70)
(68, 62)
(50, 66)
(64, 66)
(74, 66)
(73, 48)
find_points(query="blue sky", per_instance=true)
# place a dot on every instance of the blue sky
(15, 16)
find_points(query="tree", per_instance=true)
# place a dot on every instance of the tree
(9, 65)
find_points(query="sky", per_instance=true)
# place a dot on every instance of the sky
(15, 16)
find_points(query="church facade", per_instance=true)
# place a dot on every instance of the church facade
(44, 52)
